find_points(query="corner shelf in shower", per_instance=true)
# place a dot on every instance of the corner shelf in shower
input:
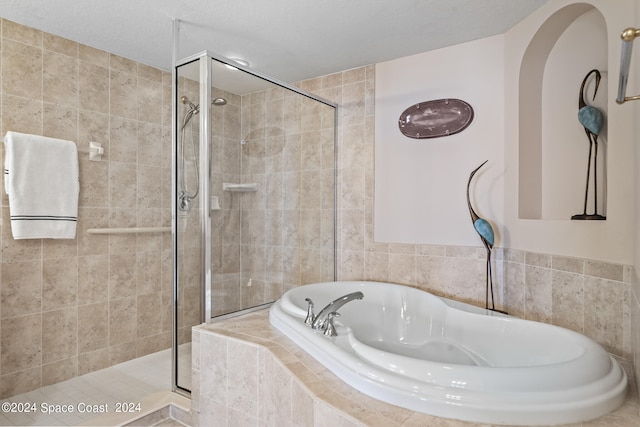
(239, 188)
(128, 230)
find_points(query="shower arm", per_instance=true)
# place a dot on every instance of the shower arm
(627, 36)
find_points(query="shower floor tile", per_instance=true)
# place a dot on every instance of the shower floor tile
(125, 383)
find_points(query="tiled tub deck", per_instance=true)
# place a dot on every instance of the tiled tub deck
(247, 373)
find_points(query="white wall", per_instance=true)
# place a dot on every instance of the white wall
(420, 185)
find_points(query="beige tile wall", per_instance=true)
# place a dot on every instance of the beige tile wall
(68, 307)
(590, 297)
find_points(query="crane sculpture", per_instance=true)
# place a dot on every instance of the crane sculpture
(591, 119)
(487, 236)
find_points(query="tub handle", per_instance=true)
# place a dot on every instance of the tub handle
(330, 330)
(310, 316)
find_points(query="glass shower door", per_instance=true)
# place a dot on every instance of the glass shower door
(254, 190)
(272, 189)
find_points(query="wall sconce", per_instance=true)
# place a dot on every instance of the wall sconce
(627, 36)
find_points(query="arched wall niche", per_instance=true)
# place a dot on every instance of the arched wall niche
(553, 147)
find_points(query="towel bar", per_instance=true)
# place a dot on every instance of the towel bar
(131, 230)
(95, 150)
(627, 36)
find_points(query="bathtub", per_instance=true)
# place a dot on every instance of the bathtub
(445, 358)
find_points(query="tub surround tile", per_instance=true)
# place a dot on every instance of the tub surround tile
(460, 252)
(604, 324)
(538, 294)
(351, 265)
(514, 255)
(302, 411)
(377, 266)
(604, 270)
(568, 264)
(538, 259)
(294, 389)
(567, 300)
(402, 269)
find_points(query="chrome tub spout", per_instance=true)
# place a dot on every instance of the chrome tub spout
(320, 321)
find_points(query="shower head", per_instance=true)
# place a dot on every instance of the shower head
(196, 108)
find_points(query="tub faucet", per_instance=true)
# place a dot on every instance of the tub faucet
(321, 320)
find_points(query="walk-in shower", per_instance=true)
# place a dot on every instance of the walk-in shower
(254, 194)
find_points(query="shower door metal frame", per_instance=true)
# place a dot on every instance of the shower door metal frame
(203, 201)
(206, 80)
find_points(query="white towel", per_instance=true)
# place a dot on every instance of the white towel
(43, 183)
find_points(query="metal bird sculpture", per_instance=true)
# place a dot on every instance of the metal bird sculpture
(591, 119)
(485, 231)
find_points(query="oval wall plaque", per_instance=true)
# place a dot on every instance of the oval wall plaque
(433, 119)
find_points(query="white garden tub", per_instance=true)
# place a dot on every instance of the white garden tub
(432, 355)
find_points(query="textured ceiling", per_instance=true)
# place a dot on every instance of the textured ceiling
(287, 39)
